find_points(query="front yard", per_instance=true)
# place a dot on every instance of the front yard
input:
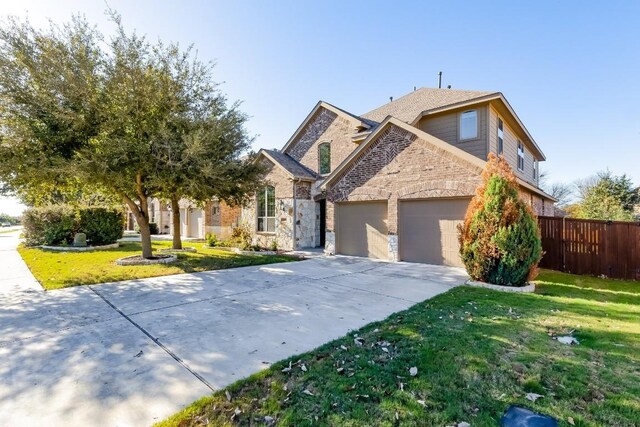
(476, 352)
(56, 270)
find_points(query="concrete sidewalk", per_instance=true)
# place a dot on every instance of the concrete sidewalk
(14, 273)
(132, 353)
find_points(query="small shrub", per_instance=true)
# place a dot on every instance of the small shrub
(241, 235)
(499, 239)
(212, 240)
(102, 226)
(153, 228)
(274, 245)
(49, 225)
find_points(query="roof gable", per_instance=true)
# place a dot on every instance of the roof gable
(364, 123)
(392, 121)
(472, 160)
(289, 165)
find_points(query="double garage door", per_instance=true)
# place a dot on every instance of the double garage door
(427, 230)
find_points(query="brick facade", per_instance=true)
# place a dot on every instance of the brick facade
(399, 165)
(325, 126)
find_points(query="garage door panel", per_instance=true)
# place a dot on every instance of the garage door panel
(362, 229)
(428, 230)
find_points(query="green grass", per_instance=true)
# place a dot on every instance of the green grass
(55, 270)
(4, 231)
(477, 352)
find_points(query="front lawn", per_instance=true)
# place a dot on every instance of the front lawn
(476, 352)
(56, 270)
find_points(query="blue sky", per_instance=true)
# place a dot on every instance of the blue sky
(569, 68)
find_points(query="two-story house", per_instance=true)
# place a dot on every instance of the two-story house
(392, 183)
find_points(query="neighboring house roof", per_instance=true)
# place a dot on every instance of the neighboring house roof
(411, 105)
(365, 123)
(392, 121)
(290, 165)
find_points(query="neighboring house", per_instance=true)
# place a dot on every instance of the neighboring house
(216, 217)
(392, 183)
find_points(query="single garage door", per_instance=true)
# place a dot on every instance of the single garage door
(362, 229)
(428, 230)
(195, 223)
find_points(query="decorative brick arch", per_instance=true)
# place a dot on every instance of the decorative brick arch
(361, 194)
(439, 188)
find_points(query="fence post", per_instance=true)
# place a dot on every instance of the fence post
(562, 245)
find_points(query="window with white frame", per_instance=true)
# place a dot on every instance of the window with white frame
(500, 137)
(469, 125)
(520, 156)
(535, 170)
(266, 210)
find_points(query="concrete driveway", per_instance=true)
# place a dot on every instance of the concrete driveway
(132, 353)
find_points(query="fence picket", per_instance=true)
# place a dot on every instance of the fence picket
(591, 247)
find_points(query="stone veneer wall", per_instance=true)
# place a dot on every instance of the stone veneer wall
(304, 213)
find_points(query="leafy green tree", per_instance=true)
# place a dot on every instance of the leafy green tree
(119, 115)
(608, 197)
(200, 150)
(499, 238)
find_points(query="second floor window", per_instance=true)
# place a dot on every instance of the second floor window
(520, 156)
(535, 170)
(266, 210)
(500, 137)
(469, 124)
(324, 158)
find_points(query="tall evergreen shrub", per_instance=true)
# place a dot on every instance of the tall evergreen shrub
(499, 238)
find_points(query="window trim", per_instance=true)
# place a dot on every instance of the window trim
(264, 192)
(520, 149)
(320, 146)
(460, 116)
(500, 141)
(535, 170)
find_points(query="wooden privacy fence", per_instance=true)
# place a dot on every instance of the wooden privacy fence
(585, 246)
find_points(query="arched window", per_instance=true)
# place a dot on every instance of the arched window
(324, 158)
(266, 210)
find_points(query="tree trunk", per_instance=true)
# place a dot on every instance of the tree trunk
(141, 214)
(175, 219)
(145, 236)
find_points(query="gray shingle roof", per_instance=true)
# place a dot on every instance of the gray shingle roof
(291, 165)
(409, 106)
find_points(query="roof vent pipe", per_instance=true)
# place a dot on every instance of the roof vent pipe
(440, 80)
(391, 99)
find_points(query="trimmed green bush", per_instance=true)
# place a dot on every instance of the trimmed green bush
(212, 240)
(499, 239)
(102, 226)
(57, 225)
(153, 228)
(49, 225)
